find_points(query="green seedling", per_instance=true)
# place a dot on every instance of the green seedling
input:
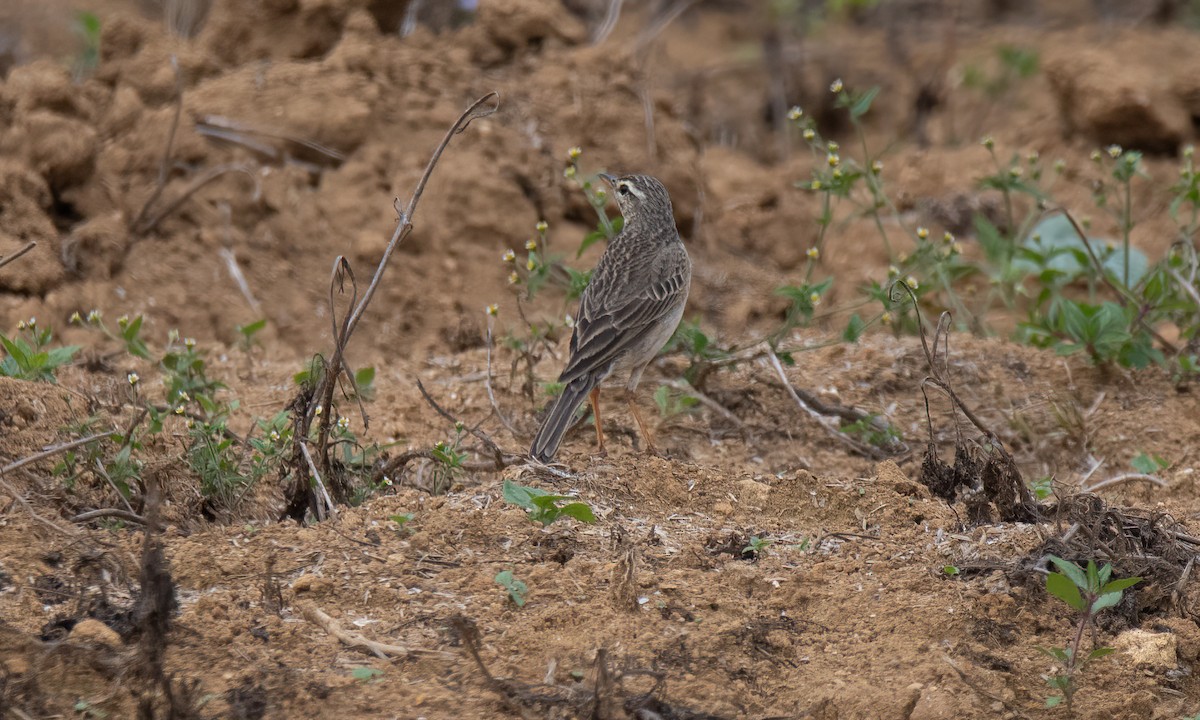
(543, 507)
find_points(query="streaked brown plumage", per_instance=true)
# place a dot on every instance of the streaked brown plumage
(628, 312)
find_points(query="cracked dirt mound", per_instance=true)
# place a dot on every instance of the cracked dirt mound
(316, 115)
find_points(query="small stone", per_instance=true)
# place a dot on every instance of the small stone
(94, 631)
(1156, 651)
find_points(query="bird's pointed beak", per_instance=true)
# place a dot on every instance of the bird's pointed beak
(610, 179)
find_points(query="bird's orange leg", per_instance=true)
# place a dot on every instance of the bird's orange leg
(594, 399)
(631, 396)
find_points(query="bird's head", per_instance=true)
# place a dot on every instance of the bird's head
(641, 198)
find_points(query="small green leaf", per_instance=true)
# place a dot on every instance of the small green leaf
(516, 589)
(365, 673)
(250, 329)
(1149, 465)
(1121, 584)
(854, 329)
(1054, 701)
(1100, 652)
(863, 103)
(950, 570)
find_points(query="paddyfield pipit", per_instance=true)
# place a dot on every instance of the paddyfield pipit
(629, 310)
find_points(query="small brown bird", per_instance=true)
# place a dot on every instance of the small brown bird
(629, 310)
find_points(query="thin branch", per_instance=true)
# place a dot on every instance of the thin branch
(320, 485)
(164, 165)
(104, 474)
(487, 380)
(199, 182)
(385, 651)
(28, 246)
(404, 225)
(127, 516)
(1126, 477)
(29, 508)
(499, 456)
(861, 448)
(52, 451)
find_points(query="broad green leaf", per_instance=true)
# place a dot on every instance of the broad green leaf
(521, 495)
(580, 511)
(1100, 652)
(1121, 584)
(1061, 587)
(1106, 600)
(1071, 570)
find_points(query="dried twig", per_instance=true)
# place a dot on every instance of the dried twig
(52, 451)
(385, 651)
(1126, 477)
(127, 516)
(858, 447)
(198, 183)
(323, 392)
(28, 246)
(501, 458)
(164, 165)
(8, 488)
(487, 380)
(320, 485)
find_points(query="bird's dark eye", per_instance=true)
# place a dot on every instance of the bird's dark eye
(623, 189)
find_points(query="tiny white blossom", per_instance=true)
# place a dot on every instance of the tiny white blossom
(837, 86)
(132, 378)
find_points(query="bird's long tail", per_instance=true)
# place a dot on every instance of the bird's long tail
(558, 420)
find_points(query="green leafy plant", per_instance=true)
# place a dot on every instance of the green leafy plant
(672, 402)
(88, 28)
(28, 355)
(249, 331)
(1087, 591)
(757, 545)
(1043, 487)
(543, 507)
(873, 430)
(367, 674)
(1149, 464)
(516, 589)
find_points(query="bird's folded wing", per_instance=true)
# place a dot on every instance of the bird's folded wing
(603, 333)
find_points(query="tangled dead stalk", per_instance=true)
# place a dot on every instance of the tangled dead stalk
(304, 406)
(984, 474)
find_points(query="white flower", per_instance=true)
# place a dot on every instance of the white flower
(837, 86)
(132, 378)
